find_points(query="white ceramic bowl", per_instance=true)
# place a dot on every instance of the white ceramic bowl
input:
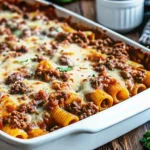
(120, 15)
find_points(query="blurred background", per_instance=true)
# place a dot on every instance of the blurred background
(92, 9)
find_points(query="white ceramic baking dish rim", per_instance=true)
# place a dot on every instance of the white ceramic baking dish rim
(107, 118)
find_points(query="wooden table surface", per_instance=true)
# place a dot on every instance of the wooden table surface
(129, 141)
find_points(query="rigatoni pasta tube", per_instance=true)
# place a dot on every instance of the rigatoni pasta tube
(15, 132)
(67, 28)
(95, 56)
(147, 79)
(73, 97)
(101, 99)
(63, 117)
(6, 105)
(45, 65)
(118, 92)
(36, 132)
(134, 64)
(90, 35)
(138, 88)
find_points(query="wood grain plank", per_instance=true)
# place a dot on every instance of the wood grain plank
(147, 126)
(74, 6)
(106, 147)
(132, 138)
(134, 35)
(88, 9)
(129, 141)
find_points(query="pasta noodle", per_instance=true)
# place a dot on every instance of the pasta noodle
(101, 99)
(138, 88)
(90, 35)
(147, 79)
(63, 117)
(67, 28)
(118, 92)
(135, 64)
(6, 105)
(36, 132)
(73, 97)
(15, 132)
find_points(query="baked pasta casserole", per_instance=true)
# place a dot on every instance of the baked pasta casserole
(53, 73)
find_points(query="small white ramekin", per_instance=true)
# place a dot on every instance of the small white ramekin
(120, 15)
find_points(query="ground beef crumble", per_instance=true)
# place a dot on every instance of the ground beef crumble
(51, 74)
(103, 45)
(125, 74)
(56, 99)
(16, 76)
(56, 127)
(59, 85)
(38, 58)
(63, 60)
(48, 120)
(16, 120)
(47, 75)
(64, 76)
(120, 50)
(22, 49)
(101, 82)
(18, 87)
(39, 99)
(76, 37)
(139, 75)
(100, 68)
(28, 107)
(80, 38)
(61, 37)
(82, 110)
(41, 95)
(112, 62)
(105, 42)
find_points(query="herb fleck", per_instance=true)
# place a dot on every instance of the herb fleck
(23, 61)
(61, 69)
(93, 75)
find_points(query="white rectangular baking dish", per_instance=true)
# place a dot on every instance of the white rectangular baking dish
(96, 130)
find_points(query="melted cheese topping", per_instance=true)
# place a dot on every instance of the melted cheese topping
(25, 43)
